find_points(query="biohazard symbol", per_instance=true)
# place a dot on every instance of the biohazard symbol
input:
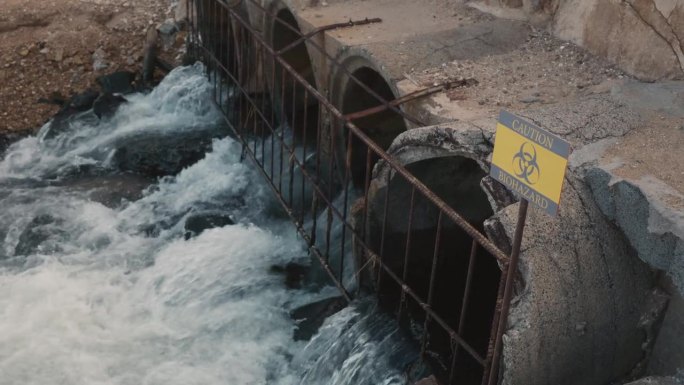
(525, 163)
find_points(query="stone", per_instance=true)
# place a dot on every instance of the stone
(84, 101)
(310, 317)
(159, 154)
(168, 28)
(6, 140)
(432, 380)
(59, 54)
(294, 274)
(99, 62)
(76, 109)
(38, 231)
(120, 82)
(195, 224)
(106, 105)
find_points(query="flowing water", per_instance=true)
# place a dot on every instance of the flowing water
(99, 285)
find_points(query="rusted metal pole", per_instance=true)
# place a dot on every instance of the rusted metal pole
(406, 98)
(324, 28)
(508, 291)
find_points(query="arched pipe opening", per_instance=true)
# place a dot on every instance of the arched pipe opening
(294, 105)
(381, 127)
(436, 259)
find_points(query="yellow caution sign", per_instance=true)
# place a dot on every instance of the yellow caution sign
(530, 161)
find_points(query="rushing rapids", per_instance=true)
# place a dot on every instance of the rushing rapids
(102, 282)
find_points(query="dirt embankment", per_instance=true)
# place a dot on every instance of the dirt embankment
(55, 48)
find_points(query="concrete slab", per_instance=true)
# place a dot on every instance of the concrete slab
(412, 35)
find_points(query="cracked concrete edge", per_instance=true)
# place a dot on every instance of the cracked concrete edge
(449, 139)
(639, 208)
(584, 292)
(658, 381)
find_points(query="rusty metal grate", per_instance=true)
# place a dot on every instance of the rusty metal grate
(302, 144)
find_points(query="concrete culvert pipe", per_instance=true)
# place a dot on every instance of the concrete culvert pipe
(381, 127)
(580, 291)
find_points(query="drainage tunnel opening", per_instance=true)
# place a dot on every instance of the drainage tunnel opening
(381, 127)
(300, 112)
(457, 181)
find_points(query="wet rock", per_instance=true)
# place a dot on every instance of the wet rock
(168, 28)
(59, 54)
(84, 101)
(294, 274)
(6, 140)
(65, 119)
(163, 154)
(120, 82)
(73, 110)
(106, 105)
(428, 381)
(39, 230)
(310, 317)
(109, 190)
(195, 224)
(55, 98)
(99, 62)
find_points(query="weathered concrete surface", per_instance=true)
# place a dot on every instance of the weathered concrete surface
(643, 37)
(658, 381)
(639, 184)
(640, 209)
(668, 353)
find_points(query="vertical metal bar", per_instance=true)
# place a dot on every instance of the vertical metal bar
(465, 302)
(407, 252)
(384, 226)
(304, 144)
(220, 56)
(253, 80)
(468, 286)
(431, 290)
(292, 144)
(331, 162)
(283, 120)
(314, 210)
(273, 116)
(364, 218)
(345, 186)
(238, 79)
(495, 326)
(264, 92)
(213, 44)
(508, 290)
